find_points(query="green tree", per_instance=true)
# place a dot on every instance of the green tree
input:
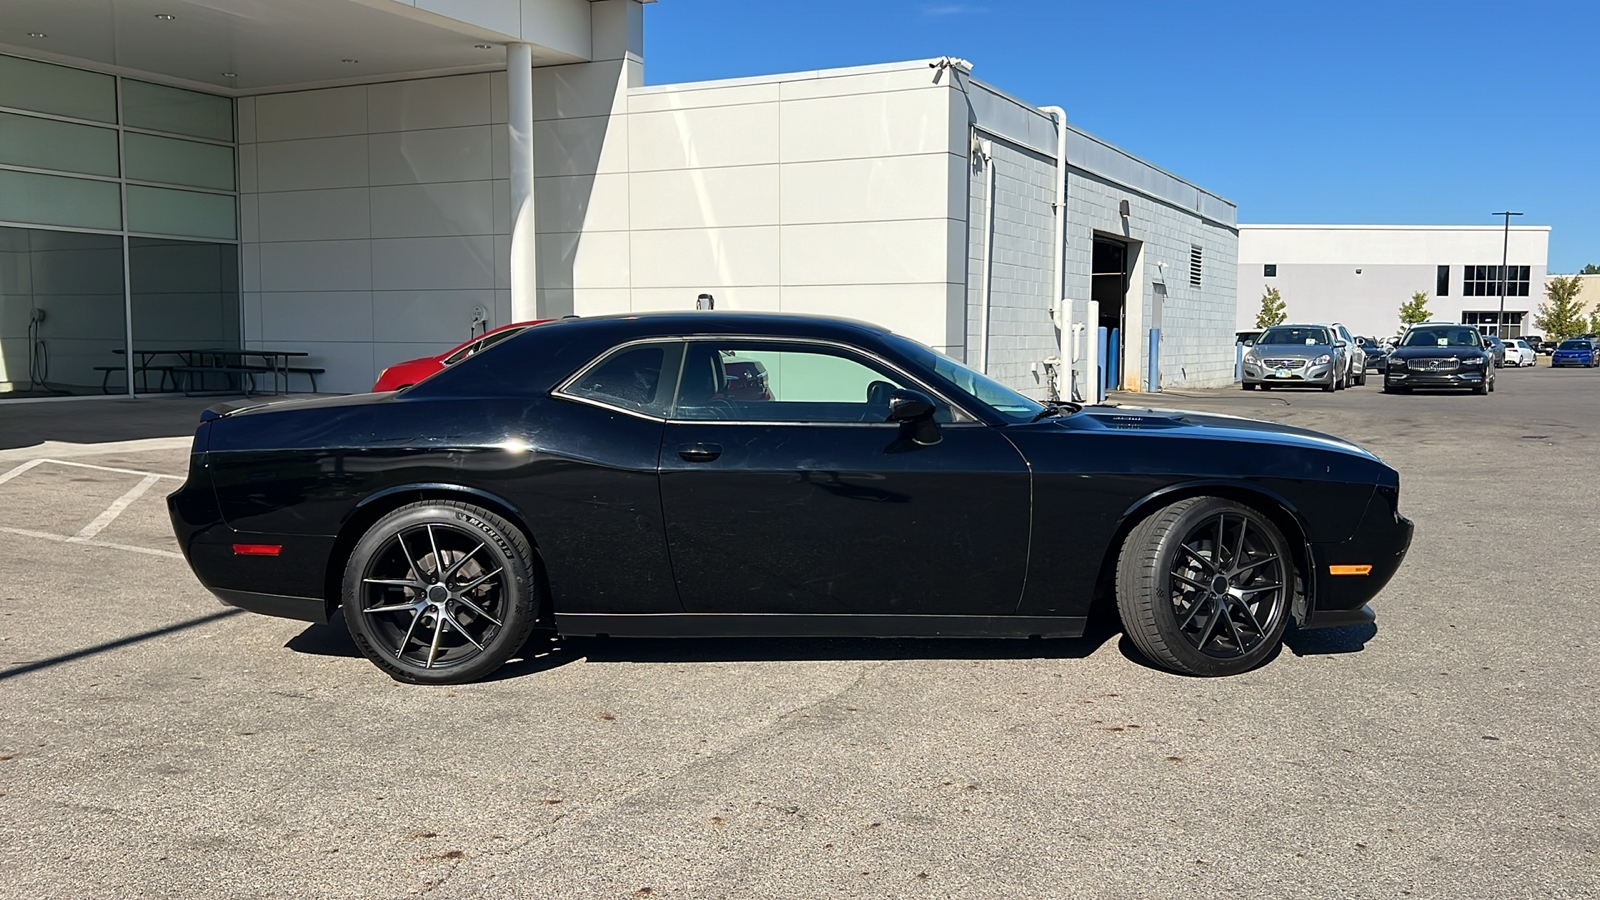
(1273, 309)
(1561, 315)
(1590, 269)
(1415, 310)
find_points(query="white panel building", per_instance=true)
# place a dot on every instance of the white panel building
(367, 181)
(1361, 274)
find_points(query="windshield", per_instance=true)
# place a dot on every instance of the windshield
(993, 394)
(1443, 336)
(1574, 345)
(1295, 334)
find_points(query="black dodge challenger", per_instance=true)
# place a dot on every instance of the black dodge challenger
(762, 474)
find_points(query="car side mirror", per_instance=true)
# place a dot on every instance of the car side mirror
(914, 411)
(1340, 344)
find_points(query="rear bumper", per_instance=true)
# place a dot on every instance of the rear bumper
(1380, 542)
(290, 584)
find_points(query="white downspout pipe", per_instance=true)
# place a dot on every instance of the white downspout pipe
(519, 129)
(1063, 317)
(985, 151)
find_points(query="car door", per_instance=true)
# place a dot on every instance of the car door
(799, 498)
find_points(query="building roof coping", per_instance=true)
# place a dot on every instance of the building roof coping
(779, 77)
(1349, 227)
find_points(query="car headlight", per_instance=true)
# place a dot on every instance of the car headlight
(1251, 357)
(1472, 362)
(1324, 358)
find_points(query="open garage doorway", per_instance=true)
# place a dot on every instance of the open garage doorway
(1109, 288)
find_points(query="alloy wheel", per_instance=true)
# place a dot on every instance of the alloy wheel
(433, 597)
(1227, 586)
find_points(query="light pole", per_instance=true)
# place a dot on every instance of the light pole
(1505, 248)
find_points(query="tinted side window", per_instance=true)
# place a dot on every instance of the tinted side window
(757, 381)
(638, 378)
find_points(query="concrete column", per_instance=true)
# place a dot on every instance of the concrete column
(524, 253)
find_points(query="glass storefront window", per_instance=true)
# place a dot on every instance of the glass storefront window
(188, 213)
(61, 312)
(185, 294)
(66, 309)
(161, 108)
(56, 200)
(171, 161)
(62, 146)
(57, 90)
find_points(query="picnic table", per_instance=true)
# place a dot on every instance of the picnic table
(190, 367)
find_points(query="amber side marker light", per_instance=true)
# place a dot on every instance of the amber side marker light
(257, 549)
(1349, 570)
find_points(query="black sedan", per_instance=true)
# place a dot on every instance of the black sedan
(1440, 355)
(605, 476)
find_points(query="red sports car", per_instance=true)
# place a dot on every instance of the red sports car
(405, 374)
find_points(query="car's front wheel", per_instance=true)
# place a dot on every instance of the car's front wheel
(1204, 587)
(440, 592)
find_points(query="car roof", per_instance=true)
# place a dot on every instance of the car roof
(692, 322)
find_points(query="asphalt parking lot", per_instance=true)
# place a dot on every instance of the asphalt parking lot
(156, 744)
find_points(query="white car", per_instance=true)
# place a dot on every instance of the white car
(1519, 353)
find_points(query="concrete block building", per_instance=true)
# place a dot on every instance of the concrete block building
(1361, 274)
(367, 181)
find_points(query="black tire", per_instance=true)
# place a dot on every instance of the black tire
(1481, 389)
(425, 628)
(1247, 385)
(1168, 575)
(1266, 387)
(1331, 386)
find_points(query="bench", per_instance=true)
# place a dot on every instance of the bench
(310, 371)
(247, 377)
(141, 371)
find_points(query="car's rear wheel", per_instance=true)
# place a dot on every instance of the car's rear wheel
(440, 592)
(1204, 587)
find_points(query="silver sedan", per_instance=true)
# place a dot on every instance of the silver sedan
(1295, 355)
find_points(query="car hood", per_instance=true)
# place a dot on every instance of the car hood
(1182, 423)
(1292, 351)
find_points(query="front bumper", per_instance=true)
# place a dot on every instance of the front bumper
(1558, 360)
(1462, 379)
(1380, 542)
(1255, 373)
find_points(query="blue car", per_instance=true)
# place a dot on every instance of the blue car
(1576, 352)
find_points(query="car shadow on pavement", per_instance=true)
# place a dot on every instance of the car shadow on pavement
(543, 652)
(1329, 641)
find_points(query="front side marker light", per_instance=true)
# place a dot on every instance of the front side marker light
(1349, 570)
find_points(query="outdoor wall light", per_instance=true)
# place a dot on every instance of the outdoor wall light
(1358, 271)
(483, 46)
(1122, 208)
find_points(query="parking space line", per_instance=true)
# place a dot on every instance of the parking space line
(67, 462)
(115, 509)
(61, 538)
(20, 469)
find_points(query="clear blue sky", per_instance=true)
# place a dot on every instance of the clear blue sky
(1404, 111)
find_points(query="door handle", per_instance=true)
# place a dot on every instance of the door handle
(699, 452)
